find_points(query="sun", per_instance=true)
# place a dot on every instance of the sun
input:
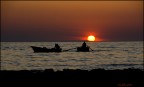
(91, 38)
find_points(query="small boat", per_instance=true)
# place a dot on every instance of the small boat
(83, 49)
(44, 49)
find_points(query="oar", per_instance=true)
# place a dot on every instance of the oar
(69, 49)
(90, 48)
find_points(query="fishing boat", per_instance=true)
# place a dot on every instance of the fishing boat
(44, 49)
(83, 49)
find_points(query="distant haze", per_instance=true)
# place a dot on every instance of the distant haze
(71, 20)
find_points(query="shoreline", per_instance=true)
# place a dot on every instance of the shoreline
(116, 78)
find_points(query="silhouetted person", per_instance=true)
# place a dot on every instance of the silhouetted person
(57, 46)
(84, 44)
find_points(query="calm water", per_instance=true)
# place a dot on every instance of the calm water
(106, 55)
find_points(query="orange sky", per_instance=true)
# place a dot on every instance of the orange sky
(71, 20)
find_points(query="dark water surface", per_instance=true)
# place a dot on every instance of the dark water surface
(106, 55)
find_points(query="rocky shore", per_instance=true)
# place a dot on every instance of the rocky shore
(96, 77)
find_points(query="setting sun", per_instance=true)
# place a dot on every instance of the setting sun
(91, 38)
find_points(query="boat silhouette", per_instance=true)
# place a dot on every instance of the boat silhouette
(44, 49)
(83, 48)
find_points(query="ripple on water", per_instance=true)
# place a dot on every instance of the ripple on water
(107, 55)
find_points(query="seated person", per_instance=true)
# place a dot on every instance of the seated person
(84, 45)
(57, 46)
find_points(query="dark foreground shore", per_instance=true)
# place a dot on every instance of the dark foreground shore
(93, 78)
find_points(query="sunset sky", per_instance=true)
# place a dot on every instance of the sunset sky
(71, 20)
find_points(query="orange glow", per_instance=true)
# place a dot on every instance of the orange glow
(94, 35)
(99, 39)
(91, 38)
(72, 21)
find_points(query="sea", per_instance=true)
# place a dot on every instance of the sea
(105, 55)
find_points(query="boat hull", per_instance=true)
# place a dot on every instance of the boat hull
(82, 49)
(44, 49)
